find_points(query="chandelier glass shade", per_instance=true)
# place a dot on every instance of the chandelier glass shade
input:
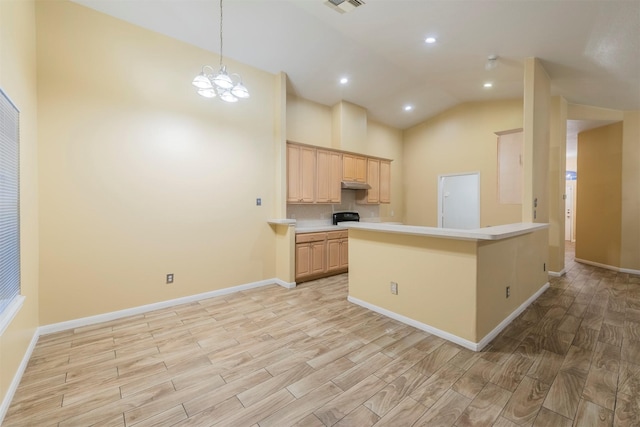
(228, 87)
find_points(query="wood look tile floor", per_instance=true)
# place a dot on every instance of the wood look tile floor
(307, 357)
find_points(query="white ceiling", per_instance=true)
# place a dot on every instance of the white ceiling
(591, 49)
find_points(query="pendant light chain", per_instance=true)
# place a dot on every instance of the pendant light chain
(221, 33)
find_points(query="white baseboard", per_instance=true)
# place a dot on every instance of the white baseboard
(446, 335)
(86, 321)
(557, 274)
(288, 285)
(494, 333)
(11, 391)
(608, 267)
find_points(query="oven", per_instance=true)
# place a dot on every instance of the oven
(345, 216)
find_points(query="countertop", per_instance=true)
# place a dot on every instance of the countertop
(497, 232)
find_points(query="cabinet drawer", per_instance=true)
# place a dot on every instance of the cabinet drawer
(310, 237)
(337, 234)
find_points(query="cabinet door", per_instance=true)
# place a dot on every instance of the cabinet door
(318, 250)
(293, 174)
(307, 174)
(373, 179)
(334, 256)
(385, 181)
(354, 168)
(344, 253)
(328, 177)
(335, 190)
(301, 174)
(361, 169)
(303, 259)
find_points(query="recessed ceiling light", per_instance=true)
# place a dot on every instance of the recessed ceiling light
(407, 107)
(488, 85)
(344, 80)
(430, 40)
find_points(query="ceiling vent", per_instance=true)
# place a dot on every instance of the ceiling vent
(343, 6)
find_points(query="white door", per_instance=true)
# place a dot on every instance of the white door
(459, 201)
(568, 222)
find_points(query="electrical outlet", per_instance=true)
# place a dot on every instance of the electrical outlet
(508, 291)
(258, 201)
(394, 288)
(170, 278)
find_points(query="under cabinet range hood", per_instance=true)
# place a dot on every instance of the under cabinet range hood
(350, 185)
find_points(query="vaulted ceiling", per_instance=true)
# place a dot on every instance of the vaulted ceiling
(590, 49)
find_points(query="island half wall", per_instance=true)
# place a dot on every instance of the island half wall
(452, 283)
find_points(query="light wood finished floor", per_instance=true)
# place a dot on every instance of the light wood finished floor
(307, 357)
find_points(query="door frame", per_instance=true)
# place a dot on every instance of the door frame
(440, 186)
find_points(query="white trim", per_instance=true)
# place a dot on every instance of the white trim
(86, 321)
(510, 318)
(76, 323)
(288, 285)
(11, 391)
(608, 267)
(446, 335)
(557, 274)
(10, 312)
(411, 322)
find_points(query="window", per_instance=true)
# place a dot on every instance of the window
(9, 210)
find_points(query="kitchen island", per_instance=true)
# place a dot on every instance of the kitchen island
(462, 285)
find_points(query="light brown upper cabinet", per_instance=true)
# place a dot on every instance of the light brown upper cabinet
(379, 178)
(354, 168)
(301, 174)
(329, 175)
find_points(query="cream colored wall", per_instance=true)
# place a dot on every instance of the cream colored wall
(18, 81)
(572, 164)
(630, 215)
(436, 278)
(309, 122)
(285, 252)
(139, 176)
(349, 127)
(386, 141)
(537, 111)
(517, 262)
(599, 189)
(557, 182)
(459, 140)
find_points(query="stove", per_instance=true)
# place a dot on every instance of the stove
(345, 216)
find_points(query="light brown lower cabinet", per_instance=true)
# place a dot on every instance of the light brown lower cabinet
(321, 254)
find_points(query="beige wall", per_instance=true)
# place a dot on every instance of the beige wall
(434, 286)
(385, 141)
(630, 220)
(557, 182)
(459, 140)
(18, 80)
(537, 115)
(599, 190)
(517, 262)
(456, 286)
(139, 176)
(309, 122)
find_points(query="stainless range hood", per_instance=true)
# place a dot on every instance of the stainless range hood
(350, 185)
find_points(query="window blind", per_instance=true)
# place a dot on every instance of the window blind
(9, 201)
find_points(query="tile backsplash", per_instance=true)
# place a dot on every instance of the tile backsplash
(320, 214)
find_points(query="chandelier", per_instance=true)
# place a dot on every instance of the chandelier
(228, 87)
